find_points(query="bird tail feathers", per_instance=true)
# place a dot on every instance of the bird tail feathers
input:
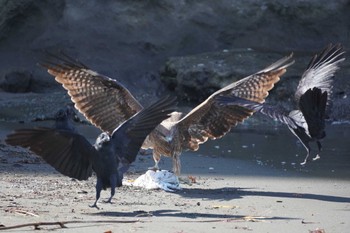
(313, 106)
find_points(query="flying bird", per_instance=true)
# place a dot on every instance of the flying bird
(110, 157)
(106, 103)
(312, 96)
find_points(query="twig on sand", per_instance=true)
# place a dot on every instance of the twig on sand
(305, 222)
(244, 218)
(23, 212)
(62, 224)
(317, 230)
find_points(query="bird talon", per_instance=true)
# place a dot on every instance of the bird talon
(108, 201)
(154, 168)
(305, 161)
(94, 206)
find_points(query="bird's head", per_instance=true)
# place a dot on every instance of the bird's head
(61, 115)
(64, 118)
(65, 113)
(102, 139)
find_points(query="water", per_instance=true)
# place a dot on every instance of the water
(276, 147)
(263, 144)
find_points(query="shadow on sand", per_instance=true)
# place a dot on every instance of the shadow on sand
(228, 193)
(185, 214)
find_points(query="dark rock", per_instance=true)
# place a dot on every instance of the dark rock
(340, 109)
(24, 81)
(126, 39)
(28, 17)
(16, 81)
(129, 39)
(196, 77)
(25, 107)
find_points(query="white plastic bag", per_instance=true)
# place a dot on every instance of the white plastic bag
(163, 179)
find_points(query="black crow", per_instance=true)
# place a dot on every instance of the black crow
(313, 93)
(72, 155)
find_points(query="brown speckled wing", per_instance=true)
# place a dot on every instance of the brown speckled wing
(105, 102)
(256, 87)
(211, 120)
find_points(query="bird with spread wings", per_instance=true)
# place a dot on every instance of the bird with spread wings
(106, 103)
(313, 97)
(71, 154)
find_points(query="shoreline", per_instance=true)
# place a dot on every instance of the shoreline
(244, 191)
(269, 200)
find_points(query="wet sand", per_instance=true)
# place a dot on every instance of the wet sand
(229, 195)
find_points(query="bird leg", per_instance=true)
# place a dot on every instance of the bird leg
(144, 152)
(156, 158)
(98, 193)
(319, 151)
(155, 167)
(113, 181)
(307, 147)
(122, 170)
(176, 163)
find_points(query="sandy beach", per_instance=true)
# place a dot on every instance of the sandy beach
(218, 195)
(250, 180)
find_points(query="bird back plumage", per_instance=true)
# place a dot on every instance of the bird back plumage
(129, 136)
(313, 106)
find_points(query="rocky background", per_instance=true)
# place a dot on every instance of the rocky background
(189, 47)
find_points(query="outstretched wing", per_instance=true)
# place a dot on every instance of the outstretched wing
(129, 137)
(320, 71)
(212, 120)
(256, 87)
(319, 74)
(279, 113)
(105, 102)
(69, 153)
(275, 112)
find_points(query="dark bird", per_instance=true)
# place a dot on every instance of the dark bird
(106, 103)
(64, 119)
(312, 96)
(110, 157)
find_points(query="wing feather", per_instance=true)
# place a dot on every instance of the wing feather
(69, 153)
(211, 120)
(256, 87)
(105, 102)
(320, 71)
